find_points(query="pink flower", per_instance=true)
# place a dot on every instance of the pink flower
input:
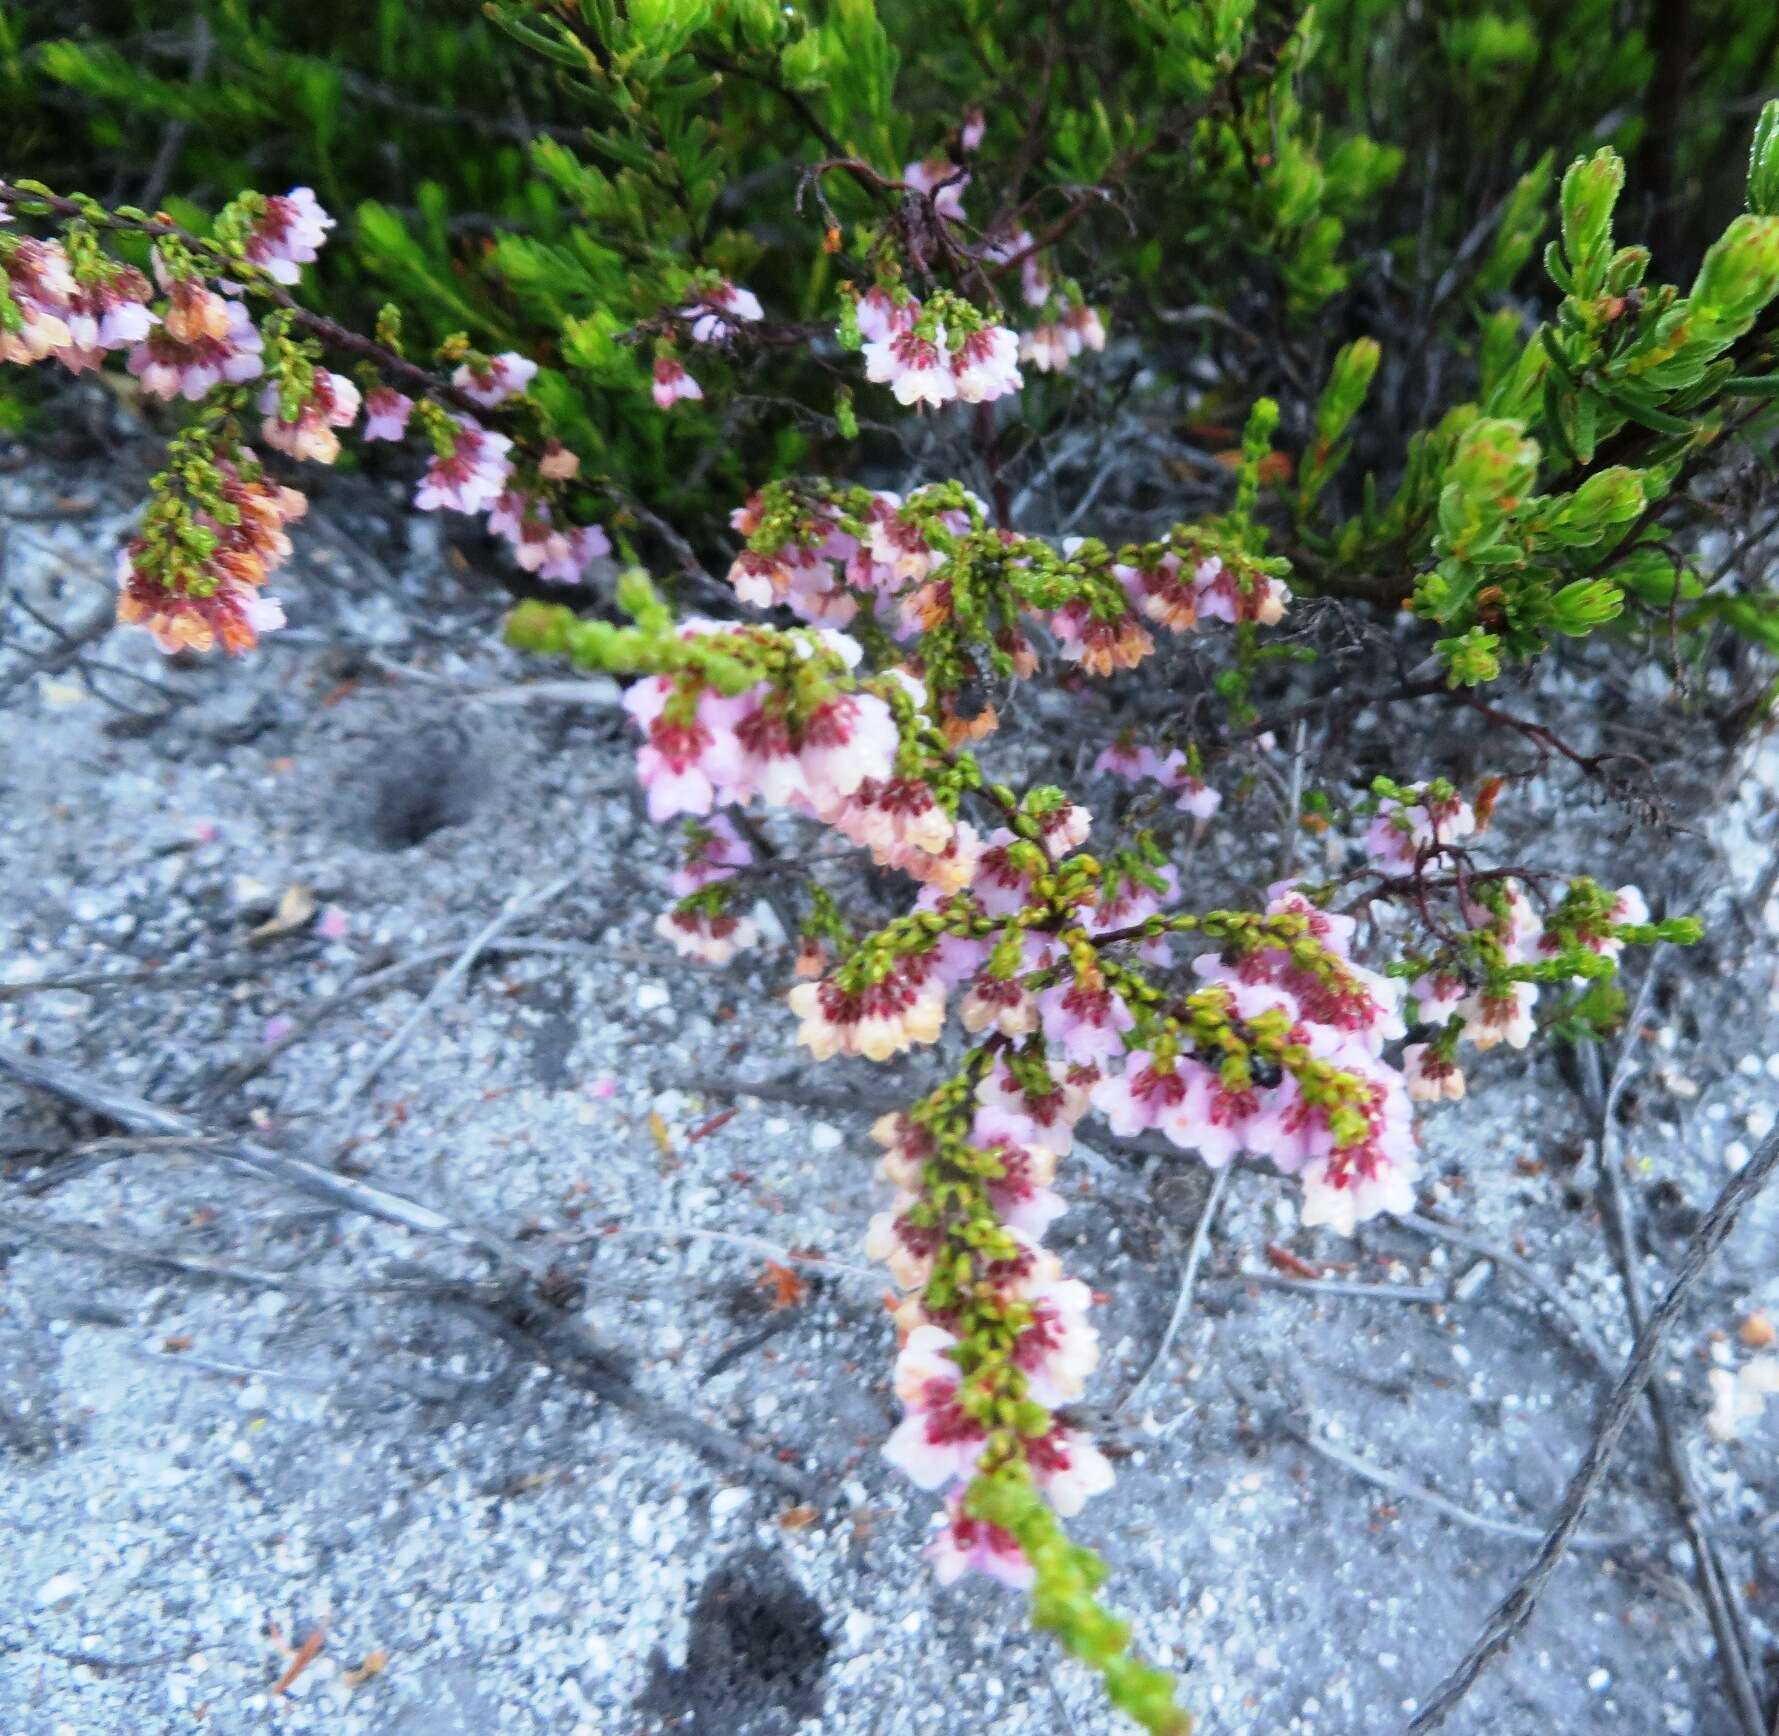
(975, 125)
(332, 403)
(1046, 347)
(882, 316)
(1125, 758)
(847, 739)
(1048, 1110)
(1437, 996)
(1429, 1078)
(500, 378)
(1082, 330)
(1375, 1175)
(106, 311)
(1001, 886)
(220, 343)
(1145, 1094)
(937, 1442)
(1505, 1018)
(895, 1240)
(672, 383)
(715, 314)
(1069, 1468)
(1195, 797)
(558, 556)
(1063, 829)
(715, 849)
(986, 365)
(904, 1008)
(711, 939)
(1021, 1194)
(1059, 1349)
(288, 234)
(37, 278)
(1000, 1003)
(1221, 597)
(1401, 830)
(1087, 1021)
(967, 1545)
(386, 414)
(472, 477)
(916, 369)
(1518, 926)
(940, 178)
(583, 545)
(558, 464)
(684, 759)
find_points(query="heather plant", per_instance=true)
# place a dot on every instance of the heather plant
(856, 283)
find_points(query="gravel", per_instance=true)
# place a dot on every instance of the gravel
(209, 1474)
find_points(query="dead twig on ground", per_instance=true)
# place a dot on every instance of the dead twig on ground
(508, 914)
(1510, 1616)
(1508, 1261)
(519, 1311)
(1394, 1483)
(136, 1115)
(569, 1352)
(1715, 1585)
(1195, 1253)
(103, 981)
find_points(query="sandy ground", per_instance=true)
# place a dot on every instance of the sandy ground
(234, 1417)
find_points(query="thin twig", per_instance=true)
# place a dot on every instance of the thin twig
(1195, 1253)
(136, 1115)
(509, 913)
(759, 1244)
(1513, 1612)
(1394, 1483)
(567, 1351)
(102, 981)
(1422, 1293)
(1715, 1585)
(520, 1315)
(1509, 1261)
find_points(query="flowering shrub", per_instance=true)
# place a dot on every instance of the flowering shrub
(866, 641)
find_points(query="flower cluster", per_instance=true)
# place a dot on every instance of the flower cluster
(284, 233)
(74, 307)
(193, 577)
(1411, 823)
(1137, 762)
(935, 354)
(930, 569)
(701, 925)
(191, 334)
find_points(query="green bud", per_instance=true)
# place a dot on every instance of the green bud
(1763, 164)
(1578, 608)
(1590, 191)
(1471, 658)
(639, 599)
(1738, 276)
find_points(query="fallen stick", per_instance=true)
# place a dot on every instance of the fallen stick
(1715, 1584)
(522, 1318)
(1510, 1616)
(509, 913)
(1195, 1253)
(136, 1115)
